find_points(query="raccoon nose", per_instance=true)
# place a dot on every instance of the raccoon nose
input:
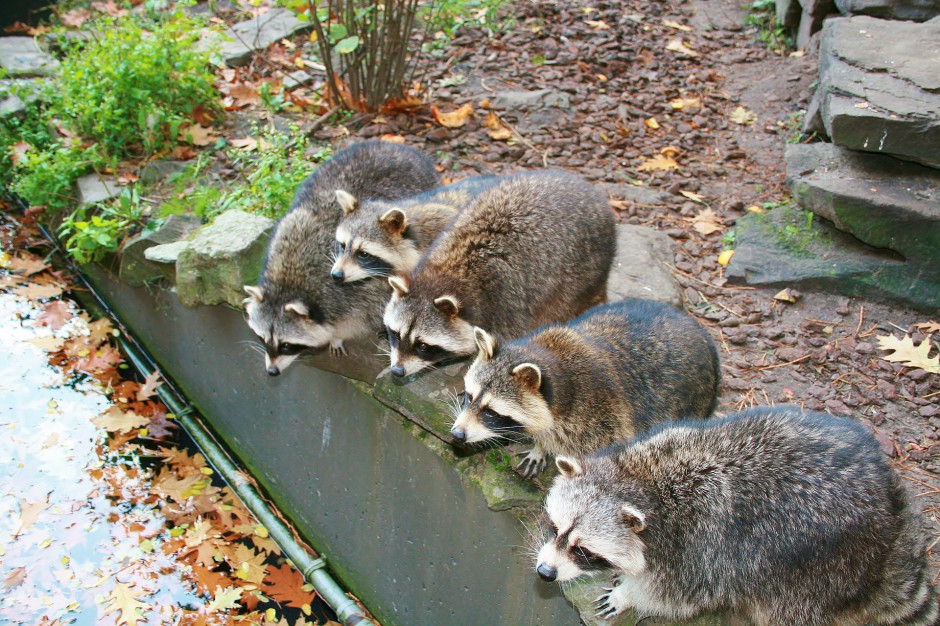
(398, 371)
(274, 371)
(338, 275)
(458, 433)
(546, 572)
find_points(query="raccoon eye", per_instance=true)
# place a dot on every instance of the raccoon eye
(288, 348)
(394, 338)
(422, 348)
(365, 256)
(340, 246)
(465, 400)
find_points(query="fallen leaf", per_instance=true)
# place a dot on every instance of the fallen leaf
(677, 45)
(725, 257)
(149, 386)
(694, 197)
(787, 295)
(495, 128)
(110, 7)
(686, 104)
(408, 104)
(183, 153)
(597, 24)
(55, 314)
(250, 143)
(670, 151)
(199, 135)
(909, 354)
(755, 209)
(29, 513)
(706, 222)
(928, 327)
(242, 95)
(453, 119)
(126, 599)
(651, 123)
(26, 265)
(677, 26)
(76, 17)
(284, 584)
(18, 151)
(35, 291)
(392, 138)
(15, 577)
(49, 344)
(224, 599)
(116, 420)
(742, 116)
(658, 162)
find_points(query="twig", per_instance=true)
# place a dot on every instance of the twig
(699, 280)
(771, 367)
(317, 123)
(523, 139)
(861, 316)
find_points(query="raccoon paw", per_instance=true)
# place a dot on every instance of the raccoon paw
(337, 348)
(533, 463)
(611, 603)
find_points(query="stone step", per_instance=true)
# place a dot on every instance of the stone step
(237, 43)
(21, 56)
(879, 87)
(913, 10)
(882, 201)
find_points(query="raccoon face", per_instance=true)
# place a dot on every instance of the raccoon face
(286, 330)
(422, 333)
(365, 246)
(502, 395)
(591, 528)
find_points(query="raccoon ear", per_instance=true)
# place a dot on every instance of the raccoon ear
(297, 307)
(399, 286)
(568, 466)
(254, 292)
(485, 342)
(394, 221)
(633, 518)
(347, 202)
(448, 305)
(529, 375)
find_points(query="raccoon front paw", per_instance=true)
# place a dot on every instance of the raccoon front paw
(612, 602)
(337, 348)
(533, 463)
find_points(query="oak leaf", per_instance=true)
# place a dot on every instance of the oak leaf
(55, 314)
(452, 119)
(199, 135)
(36, 291)
(224, 599)
(658, 162)
(26, 265)
(118, 421)
(706, 222)
(928, 327)
(29, 513)
(75, 18)
(149, 387)
(14, 578)
(125, 598)
(907, 353)
(285, 584)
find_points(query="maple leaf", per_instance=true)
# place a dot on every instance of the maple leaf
(284, 584)
(742, 116)
(149, 387)
(452, 119)
(909, 354)
(928, 327)
(125, 598)
(14, 578)
(116, 420)
(104, 358)
(224, 599)
(208, 579)
(706, 222)
(658, 162)
(55, 314)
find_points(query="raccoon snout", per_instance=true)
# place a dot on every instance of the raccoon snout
(274, 371)
(459, 434)
(546, 572)
(338, 275)
(398, 371)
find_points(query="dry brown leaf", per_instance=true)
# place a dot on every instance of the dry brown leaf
(284, 585)
(909, 354)
(35, 291)
(18, 151)
(49, 344)
(694, 197)
(787, 295)
(928, 327)
(452, 119)
(392, 138)
(76, 17)
(706, 222)
(742, 116)
(199, 135)
(26, 265)
(495, 128)
(677, 45)
(651, 123)
(149, 387)
(14, 578)
(677, 26)
(597, 24)
(250, 143)
(658, 162)
(689, 104)
(55, 314)
(126, 599)
(117, 421)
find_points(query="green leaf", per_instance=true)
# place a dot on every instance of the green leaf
(347, 45)
(337, 32)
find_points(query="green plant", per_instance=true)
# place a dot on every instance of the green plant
(762, 17)
(93, 231)
(134, 85)
(45, 177)
(729, 238)
(448, 16)
(272, 101)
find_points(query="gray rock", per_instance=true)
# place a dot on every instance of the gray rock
(12, 106)
(913, 10)
(297, 78)
(221, 258)
(640, 196)
(96, 188)
(135, 269)
(157, 171)
(879, 88)
(538, 99)
(788, 13)
(882, 201)
(640, 268)
(238, 42)
(21, 56)
(166, 254)
(778, 249)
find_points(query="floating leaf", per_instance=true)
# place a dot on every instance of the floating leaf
(452, 119)
(285, 584)
(909, 354)
(125, 599)
(742, 116)
(118, 421)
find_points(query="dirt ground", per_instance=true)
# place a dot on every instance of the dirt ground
(613, 61)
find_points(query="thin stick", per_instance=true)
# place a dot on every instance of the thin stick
(772, 367)
(861, 317)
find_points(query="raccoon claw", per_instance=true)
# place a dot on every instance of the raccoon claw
(337, 348)
(530, 467)
(606, 609)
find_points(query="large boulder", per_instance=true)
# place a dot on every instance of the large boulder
(641, 267)
(21, 56)
(913, 10)
(221, 258)
(879, 87)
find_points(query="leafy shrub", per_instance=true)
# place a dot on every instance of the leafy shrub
(45, 177)
(97, 230)
(132, 88)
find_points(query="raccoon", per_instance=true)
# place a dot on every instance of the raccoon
(776, 516)
(296, 305)
(534, 249)
(575, 388)
(382, 237)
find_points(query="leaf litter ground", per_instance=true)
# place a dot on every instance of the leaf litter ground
(107, 514)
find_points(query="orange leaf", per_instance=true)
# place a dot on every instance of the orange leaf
(284, 585)
(408, 104)
(149, 388)
(453, 119)
(496, 128)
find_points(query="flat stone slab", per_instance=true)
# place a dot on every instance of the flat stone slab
(537, 99)
(135, 268)
(96, 188)
(21, 56)
(913, 10)
(221, 258)
(882, 201)
(238, 42)
(879, 87)
(640, 269)
(778, 249)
